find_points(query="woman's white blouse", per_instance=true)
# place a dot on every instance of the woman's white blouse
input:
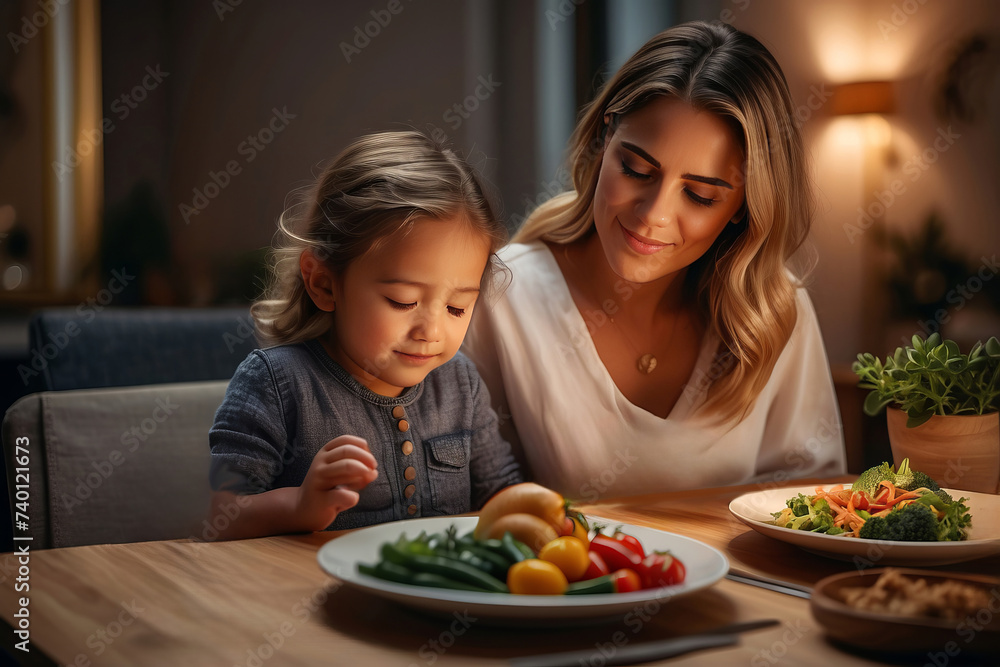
(582, 437)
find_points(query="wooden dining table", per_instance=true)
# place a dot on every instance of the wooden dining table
(266, 602)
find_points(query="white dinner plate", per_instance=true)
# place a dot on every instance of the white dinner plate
(755, 509)
(340, 558)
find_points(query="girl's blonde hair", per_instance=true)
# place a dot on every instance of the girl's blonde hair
(741, 286)
(374, 189)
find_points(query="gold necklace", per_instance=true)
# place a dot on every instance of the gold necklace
(646, 363)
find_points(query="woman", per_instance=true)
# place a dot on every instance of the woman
(652, 338)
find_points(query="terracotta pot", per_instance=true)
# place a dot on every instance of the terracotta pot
(958, 452)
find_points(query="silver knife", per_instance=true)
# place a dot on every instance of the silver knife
(786, 587)
(646, 651)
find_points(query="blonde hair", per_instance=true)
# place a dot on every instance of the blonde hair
(374, 189)
(740, 286)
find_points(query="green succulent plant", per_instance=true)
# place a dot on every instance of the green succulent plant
(932, 377)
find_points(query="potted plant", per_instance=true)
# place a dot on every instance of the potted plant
(945, 414)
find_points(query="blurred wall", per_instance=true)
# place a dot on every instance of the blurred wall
(272, 90)
(930, 164)
(254, 99)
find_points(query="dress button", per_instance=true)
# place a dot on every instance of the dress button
(410, 473)
(412, 509)
(404, 425)
(398, 412)
(409, 491)
(407, 447)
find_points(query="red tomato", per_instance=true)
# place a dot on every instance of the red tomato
(615, 554)
(568, 527)
(626, 580)
(631, 542)
(597, 567)
(661, 569)
(861, 501)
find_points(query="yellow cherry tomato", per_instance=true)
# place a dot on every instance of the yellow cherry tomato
(567, 553)
(536, 577)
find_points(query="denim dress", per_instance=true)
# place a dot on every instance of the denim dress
(437, 444)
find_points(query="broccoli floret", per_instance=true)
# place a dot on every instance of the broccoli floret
(873, 529)
(921, 480)
(870, 479)
(924, 481)
(913, 523)
(944, 495)
(919, 521)
(904, 478)
(911, 480)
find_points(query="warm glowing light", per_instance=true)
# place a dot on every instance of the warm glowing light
(851, 46)
(844, 135)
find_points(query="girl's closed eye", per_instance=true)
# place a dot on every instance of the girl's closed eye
(457, 312)
(400, 306)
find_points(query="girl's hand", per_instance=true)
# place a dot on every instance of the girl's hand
(338, 471)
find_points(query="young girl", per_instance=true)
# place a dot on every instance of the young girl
(652, 337)
(362, 413)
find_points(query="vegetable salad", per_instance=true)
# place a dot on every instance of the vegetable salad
(883, 504)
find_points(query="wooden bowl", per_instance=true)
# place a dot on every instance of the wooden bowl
(886, 632)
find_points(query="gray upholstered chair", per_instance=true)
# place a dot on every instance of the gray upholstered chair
(112, 465)
(80, 348)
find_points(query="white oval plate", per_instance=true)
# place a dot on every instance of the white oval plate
(754, 509)
(340, 557)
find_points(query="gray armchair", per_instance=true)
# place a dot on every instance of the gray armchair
(81, 348)
(112, 465)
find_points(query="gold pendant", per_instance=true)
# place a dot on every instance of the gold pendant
(647, 363)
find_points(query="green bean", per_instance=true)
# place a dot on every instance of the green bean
(444, 567)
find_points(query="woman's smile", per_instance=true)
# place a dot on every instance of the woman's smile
(641, 244)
